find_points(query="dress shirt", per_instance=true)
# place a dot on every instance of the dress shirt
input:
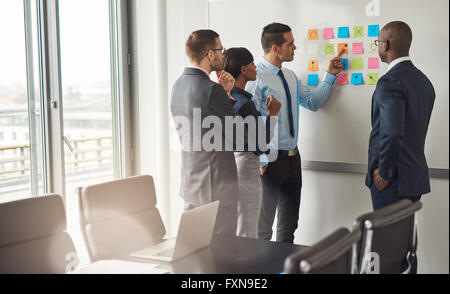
(268, 82)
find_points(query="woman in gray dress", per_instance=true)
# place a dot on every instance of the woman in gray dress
(240, 64)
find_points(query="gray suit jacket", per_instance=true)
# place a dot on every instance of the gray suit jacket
(206, 175)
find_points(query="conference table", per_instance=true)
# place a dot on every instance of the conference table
(230, 255)
(235, 255)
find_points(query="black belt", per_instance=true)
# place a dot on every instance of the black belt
(289, 153)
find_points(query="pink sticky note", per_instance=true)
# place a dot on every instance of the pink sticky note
(374, 62)
(328, 33)
(357, 48)
(342, 79)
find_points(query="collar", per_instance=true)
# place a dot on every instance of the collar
(397, 61)
(270, 67)
(242, 92)
(200, 68)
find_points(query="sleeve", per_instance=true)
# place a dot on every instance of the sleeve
(257, 90)
(262, 129)
(392, 126)
(220, 106)
(312, 100)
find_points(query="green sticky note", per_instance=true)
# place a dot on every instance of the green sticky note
(357, 63)
(372, 78)
(328, 49)
(358, 32)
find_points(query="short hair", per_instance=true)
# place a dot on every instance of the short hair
(235, 58)
(199, 42)
(400, 34)
(273, 35)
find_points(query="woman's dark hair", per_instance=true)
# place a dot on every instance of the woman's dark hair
(235, 58)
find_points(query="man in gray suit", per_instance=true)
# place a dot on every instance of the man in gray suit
(206, 174)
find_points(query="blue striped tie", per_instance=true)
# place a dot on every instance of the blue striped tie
(288, 97)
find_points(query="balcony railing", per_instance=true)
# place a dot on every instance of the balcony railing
(89, 154)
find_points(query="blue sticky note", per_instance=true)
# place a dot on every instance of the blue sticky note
(313, 80)
(373, 30)
(345, 62)
(357, 79)
(343, 32)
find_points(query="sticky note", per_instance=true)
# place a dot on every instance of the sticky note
(342, 79)
(345, 62)
(372, 48)
(313, 80)
(357, 63)
(343, 45)
(313, 50)
(328, 49)
(357, 79)
(328, 33)
(343, 32)
(358, 31)
(372, 78)
(313, 65)
(373, 62)
(373, 30)
(357, 48)
(313, 34)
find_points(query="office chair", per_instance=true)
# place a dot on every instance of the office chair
(389, 238)
(119, 217)
(33, 238)
(335, 254)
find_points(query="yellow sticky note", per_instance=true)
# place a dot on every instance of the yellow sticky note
(372, 78)
(343, 46)
(328, 49)
(313, 65)
(357, 63)
(358, 31)
(313, 34)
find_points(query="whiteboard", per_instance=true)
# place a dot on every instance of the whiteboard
(339, 131)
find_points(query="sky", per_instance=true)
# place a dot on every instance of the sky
(84, 30)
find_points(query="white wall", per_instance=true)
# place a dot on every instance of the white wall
(329, 200)
(332, 200)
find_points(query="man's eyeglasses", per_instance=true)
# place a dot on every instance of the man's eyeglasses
(377, 42)
(216, 49)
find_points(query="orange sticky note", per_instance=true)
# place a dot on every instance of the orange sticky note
(313, 65)
(343, 45)
(313, 34)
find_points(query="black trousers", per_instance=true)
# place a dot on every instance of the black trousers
(282, 184)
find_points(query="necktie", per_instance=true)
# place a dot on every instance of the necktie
(288, 97)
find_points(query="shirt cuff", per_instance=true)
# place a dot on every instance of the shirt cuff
(329, 78)
(263, 160)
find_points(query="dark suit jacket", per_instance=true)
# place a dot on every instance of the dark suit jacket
(206, 175)
(401, 111)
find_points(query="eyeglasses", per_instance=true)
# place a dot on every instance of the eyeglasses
(216, 49)
(377, 42)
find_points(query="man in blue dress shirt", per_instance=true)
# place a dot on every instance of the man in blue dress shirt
(282, 178)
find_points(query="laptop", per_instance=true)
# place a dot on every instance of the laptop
(194, 233)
